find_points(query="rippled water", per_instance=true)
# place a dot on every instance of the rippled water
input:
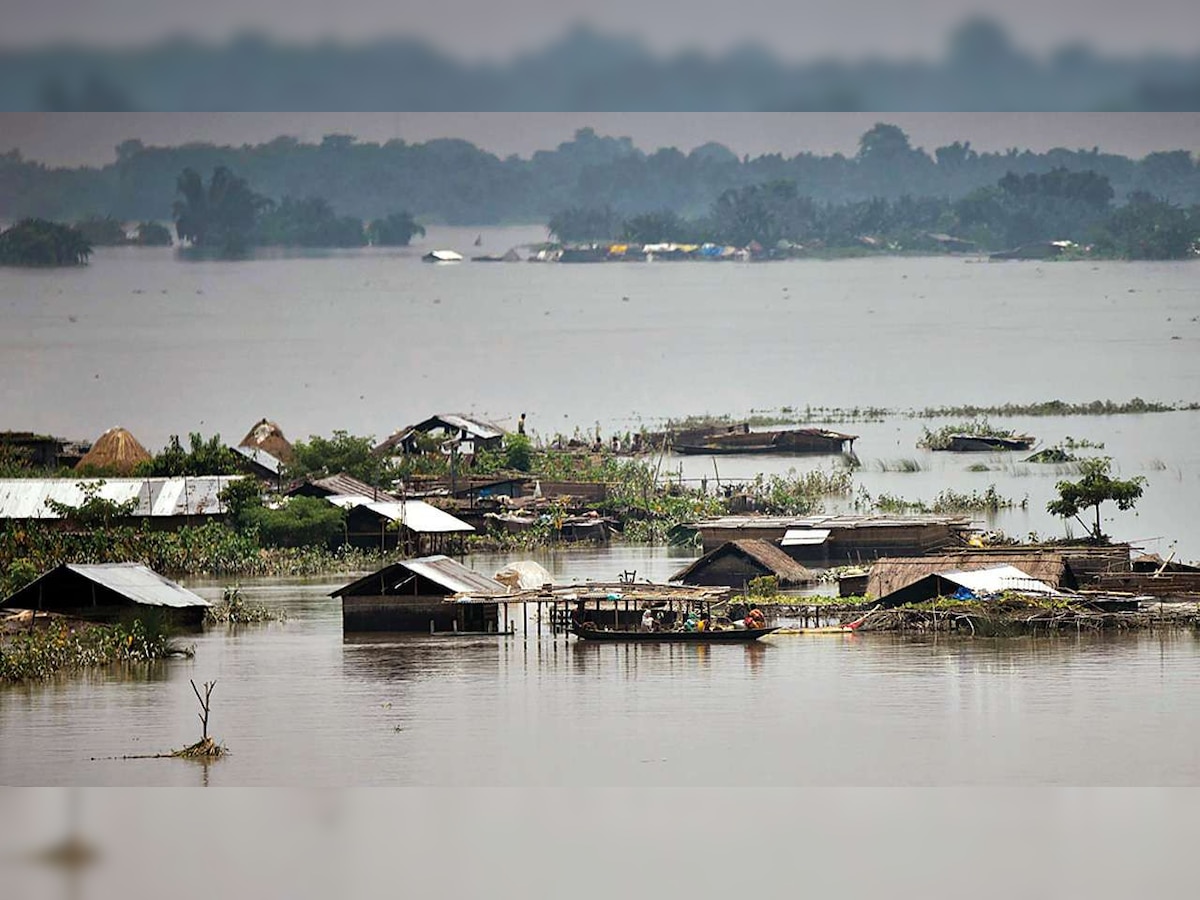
(370, 341)
(300, 705)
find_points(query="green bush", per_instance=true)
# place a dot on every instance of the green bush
(301, 522)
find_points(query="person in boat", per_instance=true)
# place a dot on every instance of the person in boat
(755, 619)
(648, 620)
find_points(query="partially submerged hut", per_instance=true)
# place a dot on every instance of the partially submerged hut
(108, 592)
(159, 503)
(419, 595)
(412, 526)
(736, 563)
(973, 583)
(115, 451)
(890, 575)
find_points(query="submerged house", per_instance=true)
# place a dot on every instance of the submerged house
(890, 575)
(109, 592)
(968, 584)
(412, 526)
(419, 595)
(736, 563)
(836, 540)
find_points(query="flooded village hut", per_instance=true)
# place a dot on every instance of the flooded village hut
(979, 582)
(835, 540)
(411, 526)
(736, 563)
(115, 451)
(268, 437)
(470, 435)
(889, 575)
(338, 485)
(109, 592)
(418, 595)
(160, 503)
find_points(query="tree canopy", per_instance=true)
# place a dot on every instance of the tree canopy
(1096, 487)
(36, 242)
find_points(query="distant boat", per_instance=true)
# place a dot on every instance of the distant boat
(442, 256)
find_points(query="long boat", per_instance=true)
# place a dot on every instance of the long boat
(586, 633)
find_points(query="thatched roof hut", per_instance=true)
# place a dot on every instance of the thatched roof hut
(268, 437)
(736, 563)
(115, 451)
(893, 573)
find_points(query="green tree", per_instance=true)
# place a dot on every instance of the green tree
(1096, 487)
(203, 457)
(93, 511)
(343, 452)
(37, 242)
(582, 224)
(102, 231)
(1148, 228)
(397, 230)
(308, 223)
(518, 452)
(222, 215)
(152, 234)
(298, 522)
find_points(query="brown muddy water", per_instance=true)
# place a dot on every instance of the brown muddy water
(299, 704)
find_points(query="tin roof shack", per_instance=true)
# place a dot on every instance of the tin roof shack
(736, 563)
(975, 583)
(741, 440)
(418, 595)
(987, 443)
(161, 503)
(338, 485)
(470, 434)
(109, 593)
(412, 526)
(890, 575)
(834, 540)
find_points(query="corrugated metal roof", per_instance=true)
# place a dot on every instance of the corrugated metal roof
(804, 537)
(346, 484)
(995, 580)
(260, 457)
(454, 576)
(25, 498)
(136, 582)
(416, 515)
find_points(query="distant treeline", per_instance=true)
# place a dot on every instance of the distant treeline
(1059, 205)
(453, 181)
(585, 70)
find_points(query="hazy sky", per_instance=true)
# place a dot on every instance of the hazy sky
(794, 29)
(90, 138)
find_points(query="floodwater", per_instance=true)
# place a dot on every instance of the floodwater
(370, 341)
(299, 704)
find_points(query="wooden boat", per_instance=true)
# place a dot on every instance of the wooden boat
(587, 632)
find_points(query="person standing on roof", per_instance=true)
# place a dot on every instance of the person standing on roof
(521, 424)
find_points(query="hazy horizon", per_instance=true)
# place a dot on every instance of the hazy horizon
(75, 139)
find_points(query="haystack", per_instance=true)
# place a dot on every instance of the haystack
(268, 437)
(115, 451)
